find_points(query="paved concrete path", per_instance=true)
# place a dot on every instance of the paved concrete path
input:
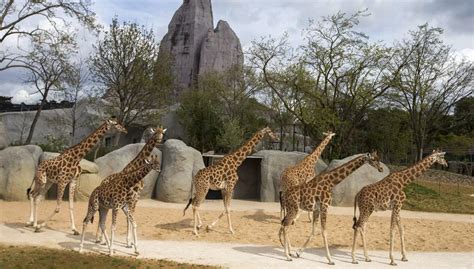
(233, 255)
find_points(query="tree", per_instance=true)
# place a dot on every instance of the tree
(199, 114)
(76, 93)
(125, 65)
(430, 84)
(464, 116)
(333, 79)
(15, 23)
(48, 67)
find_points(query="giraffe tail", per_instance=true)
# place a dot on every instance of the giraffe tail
(189, 203)
(354, 219)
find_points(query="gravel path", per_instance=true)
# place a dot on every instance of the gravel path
(233, 255)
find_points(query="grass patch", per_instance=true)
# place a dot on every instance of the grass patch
(39, 258)
(434, 197)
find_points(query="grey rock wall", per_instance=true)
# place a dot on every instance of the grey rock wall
(194, 45)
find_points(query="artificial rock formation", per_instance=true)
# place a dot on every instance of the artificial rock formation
(196, 47)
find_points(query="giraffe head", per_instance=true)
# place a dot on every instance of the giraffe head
(438, 157)
(374, 160)
(114, 123)
(158, 133)
(329, 134)
(269, 132)
(154, 162)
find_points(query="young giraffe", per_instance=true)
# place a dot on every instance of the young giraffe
(304, 170)
(388, 194)
(222, 175)
(136, 163)
(316, 196)
(114, 195)
(63, 170)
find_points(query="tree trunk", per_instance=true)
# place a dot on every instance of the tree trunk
(35, 120)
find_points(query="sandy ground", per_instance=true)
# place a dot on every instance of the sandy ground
(258, 223)
(234, 255)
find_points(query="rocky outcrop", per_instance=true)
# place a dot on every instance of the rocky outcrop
(220, 50)
(344, 192)
(180, 164)
(115, 161)
(17, 170)
(272, 166)
(195, 46)
(4, 139)
(187, 29)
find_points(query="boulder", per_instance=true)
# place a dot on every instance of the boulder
(85, 185)
(272, 166)
(87, 166)
(180, 164)
(4, 139)
(17, 170)
(115, 161)
(344, 193)
(220, 50)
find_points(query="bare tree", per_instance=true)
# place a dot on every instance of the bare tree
(338, 73)
(130, 77)
(16, 16)
(48, 67)
(431, 83)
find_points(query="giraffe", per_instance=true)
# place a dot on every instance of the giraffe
(222, 175)
(304, 170)
(388, 194)
(316, 196)
(115, 194)
(137, 162)
(63, 170)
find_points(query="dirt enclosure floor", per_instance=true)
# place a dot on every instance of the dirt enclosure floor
(258, 223)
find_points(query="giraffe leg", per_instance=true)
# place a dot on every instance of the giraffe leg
(354, 240)
(362, 235)
(324, 212)
(286, 242)
(402, 239)
(314, 221)
(126, 211)
(224, 197)
(102, 218)
(38, 193)
(113, 228)
(394, 221)
(99, 239)
(135, 238)
(61, 187)
(228, 195)
(72, 188)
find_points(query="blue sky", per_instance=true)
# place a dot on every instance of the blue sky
(389, 20)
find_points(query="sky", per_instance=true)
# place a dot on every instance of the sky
(390, 20)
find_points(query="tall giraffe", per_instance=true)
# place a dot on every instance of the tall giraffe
(222, 175)
(114, 194)
(63, 170)
(388, 194)
(136, 163)
(316, 196)
(304, 170)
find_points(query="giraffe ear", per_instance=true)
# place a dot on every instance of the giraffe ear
(164, 130)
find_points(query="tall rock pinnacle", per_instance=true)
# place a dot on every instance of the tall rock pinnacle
(195, 46)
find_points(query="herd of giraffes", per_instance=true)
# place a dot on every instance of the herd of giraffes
(301, 189)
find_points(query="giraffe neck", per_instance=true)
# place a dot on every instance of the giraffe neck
(310, 160)
(82, 148)
(133, 177)
(146, 151)
(345, 170)
(416, 170)
(238, 156)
